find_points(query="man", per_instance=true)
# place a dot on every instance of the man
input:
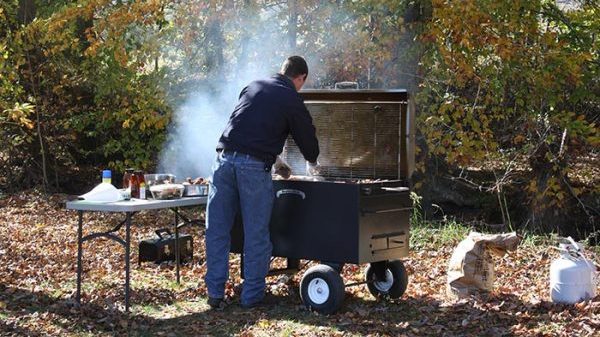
(267, 112)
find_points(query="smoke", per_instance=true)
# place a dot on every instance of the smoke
(253, 46)
(190, 146)
(198, 122)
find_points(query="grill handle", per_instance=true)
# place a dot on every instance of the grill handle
(387, 210)
(162, 231)
(290, 191)
(388, 235)
(395, 189)
(346, 85)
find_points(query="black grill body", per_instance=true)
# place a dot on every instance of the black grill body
(360, 213)
(359, 210)
(337, 222)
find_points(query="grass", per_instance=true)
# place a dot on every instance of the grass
(533, 240)
(434, 235)
(426, 234)
(149, 310)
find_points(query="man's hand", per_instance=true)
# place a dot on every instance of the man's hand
(313, 169)
(282, 168)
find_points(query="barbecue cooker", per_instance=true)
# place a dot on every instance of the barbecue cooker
(358, 211)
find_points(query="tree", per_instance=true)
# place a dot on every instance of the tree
(512, 87)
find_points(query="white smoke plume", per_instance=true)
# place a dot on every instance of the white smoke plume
(198, 123)
(255, 49)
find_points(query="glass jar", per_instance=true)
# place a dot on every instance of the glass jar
(134, 185)
(127, 177)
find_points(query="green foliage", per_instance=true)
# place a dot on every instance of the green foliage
(416, 218)
(94, 105)
(512, 86)
(507, 87)
(16, 107)
(104, 76)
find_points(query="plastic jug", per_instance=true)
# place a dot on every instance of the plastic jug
(572, 276)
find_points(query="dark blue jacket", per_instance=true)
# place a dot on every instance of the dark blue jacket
(267, 112)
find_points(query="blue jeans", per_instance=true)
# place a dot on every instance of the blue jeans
(239, 183)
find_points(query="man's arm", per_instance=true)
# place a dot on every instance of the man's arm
(303, 131)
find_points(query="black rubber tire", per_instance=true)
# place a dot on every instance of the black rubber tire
(400, 280)
(334, 283)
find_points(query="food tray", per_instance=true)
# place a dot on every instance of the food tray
(195, 190)
(167, 191)
(159, 179)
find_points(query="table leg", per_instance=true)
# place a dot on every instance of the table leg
(177, 257)
(79, 255)
(127, 252)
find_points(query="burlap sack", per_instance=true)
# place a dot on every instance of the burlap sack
(471, 267)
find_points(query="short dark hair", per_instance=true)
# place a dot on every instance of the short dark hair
(294, 66)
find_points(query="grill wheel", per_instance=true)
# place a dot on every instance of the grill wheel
(395, 283)
(322, 289)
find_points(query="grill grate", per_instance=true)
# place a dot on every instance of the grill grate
(356, 140)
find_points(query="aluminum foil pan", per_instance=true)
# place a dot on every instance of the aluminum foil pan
(195, 190)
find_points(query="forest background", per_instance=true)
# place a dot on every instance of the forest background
(506, 93)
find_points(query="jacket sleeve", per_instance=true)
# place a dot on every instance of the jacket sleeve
(303, 131)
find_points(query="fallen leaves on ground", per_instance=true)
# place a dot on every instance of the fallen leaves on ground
(38, 251)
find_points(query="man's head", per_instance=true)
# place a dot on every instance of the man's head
(296, 69)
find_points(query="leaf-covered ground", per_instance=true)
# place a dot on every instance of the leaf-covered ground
(38, 271)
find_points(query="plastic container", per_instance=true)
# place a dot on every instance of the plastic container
(134, 185)
(142, 183)
(143, 190)
(106, 176)
(167, 191)
(159, 179)
(572, 276)
(195, 190)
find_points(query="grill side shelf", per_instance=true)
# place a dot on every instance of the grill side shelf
(390, 210)
(387, 188)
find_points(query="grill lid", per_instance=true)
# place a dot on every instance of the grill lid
(363, 134)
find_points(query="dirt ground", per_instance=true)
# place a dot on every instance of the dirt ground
(38, 253)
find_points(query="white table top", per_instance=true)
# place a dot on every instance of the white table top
(134, 205)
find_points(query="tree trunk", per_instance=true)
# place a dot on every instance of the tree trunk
(214, 56)
(292, 33)
(26, 12)
(372, 39)
(160, 26)
(245, 21)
